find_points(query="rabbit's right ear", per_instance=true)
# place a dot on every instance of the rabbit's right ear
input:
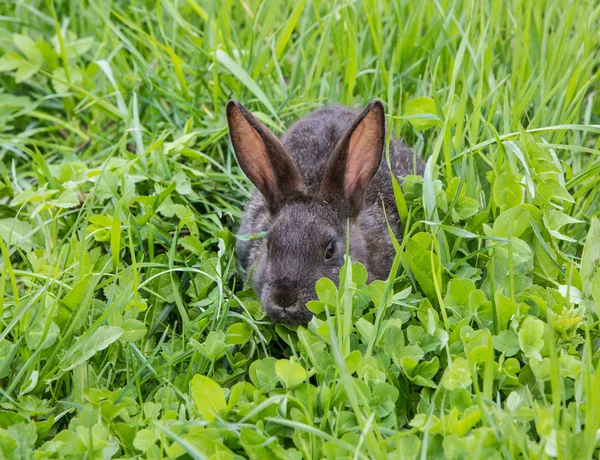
(263, 158)
(356, 158)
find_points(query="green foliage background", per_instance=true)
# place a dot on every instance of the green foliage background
(124, 329)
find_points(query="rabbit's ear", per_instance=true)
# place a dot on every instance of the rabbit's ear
(263, 158)
(356, 158)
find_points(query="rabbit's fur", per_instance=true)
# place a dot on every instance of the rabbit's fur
(327, 170)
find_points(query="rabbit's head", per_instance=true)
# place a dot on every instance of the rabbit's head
(306, 238)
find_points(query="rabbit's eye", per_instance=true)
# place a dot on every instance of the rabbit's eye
(330, 251)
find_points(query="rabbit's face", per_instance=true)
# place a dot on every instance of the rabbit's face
(306, 236)
(301, 247)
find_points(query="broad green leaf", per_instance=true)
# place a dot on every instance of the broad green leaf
(365, 329)
(506, 342)
(10, 61)
(194, 245)
(181, 142)
(208, 397)
(263, 373)
(418, 256)
(545, 260)
(551, 189)
(542, 369)
(327, 291)
(30, 383)
(369, 370)
(359, 274)
(512, 223)
(258, 446)
(518, 254)
(238, 333)
(59, 75)
(8, 445)
(427, 369)
(205, 443)
(133, 330)
(464, 208)
(352, 361)
(554, 220)
(538, 154)
(384, 399)
(36, 334)
(80, 46)
(422, 113)
(506, 308)
(144, 439)
(513, 401)
(467, 422)
(316, 306)
(88, 346)
(214, 347)
(393, 340)
(100, 227)
(290, 373)
(17, 232)
(408, 446)
(507, 190)
(78, 297)
(570, 366)
(459, 290)
(25, 435)
(457, 375)
(25, 71)
(530, 337)
(27, 46)
(67, 199)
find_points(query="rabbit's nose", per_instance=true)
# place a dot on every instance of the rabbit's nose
(285, 296)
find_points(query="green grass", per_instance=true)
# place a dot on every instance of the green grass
(124, 328)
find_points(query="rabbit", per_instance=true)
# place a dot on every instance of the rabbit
(327, 170)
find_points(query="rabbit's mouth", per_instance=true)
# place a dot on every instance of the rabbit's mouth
(294, 314)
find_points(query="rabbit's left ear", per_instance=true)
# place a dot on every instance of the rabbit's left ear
(356, 158)
(263, 158)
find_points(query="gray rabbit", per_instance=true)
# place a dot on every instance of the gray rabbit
(328, 169)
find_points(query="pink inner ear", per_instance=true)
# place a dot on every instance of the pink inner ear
(362, 153)
(252, 153)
